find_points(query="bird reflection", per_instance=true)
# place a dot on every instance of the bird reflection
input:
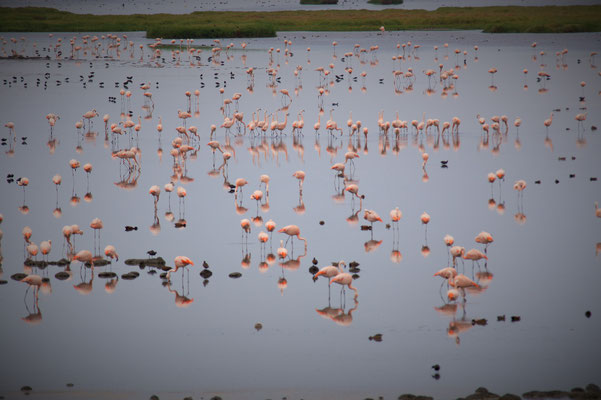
(338, 315)
(34, 316)
(111, 285)
(181, 301)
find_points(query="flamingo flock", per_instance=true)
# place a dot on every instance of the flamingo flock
(249, 136)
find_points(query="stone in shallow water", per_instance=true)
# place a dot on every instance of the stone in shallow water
(509, 396)
(3, 282)
(154, 397)
(18, 276)
(70, 385)
(205, 273)
(107, 275)
(62, 275)
(551, 394)
(129, 276)
(235, 275)
(26, 389)
(258, 326)
(409, 396)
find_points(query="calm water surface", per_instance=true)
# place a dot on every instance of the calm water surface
(132, 339)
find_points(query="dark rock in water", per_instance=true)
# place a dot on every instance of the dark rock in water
(18, 276)
(365, 227)
(107, 275)
(577, 390)
(188, 398)
(3, 282)
(205, 282)
(313, 270)
(509, 396)
(70, 385)
(235, 275)
(314, 261)
(129, 276)
(353, 264)
(61, 276)
(165, 268)
(136, 273)
(587, 314)
(216, 398)
(26, 389)
(591, 387)
(387, 226)
(152, 262)
(321, 223)
(436, 367)
(151, 271)
(205, 273)
(537, 182)
(482, 394)
(163, 275)
(414, 397)
(515, 318)
(551, 394)
(205, 264)
(376, 338)
(355, 276)
(154, 397)
(354, 270)
(500, 317)
(151, 253)
(45, 280)
(101, 263)
(481, 321)
(258, 326)
(436, 376)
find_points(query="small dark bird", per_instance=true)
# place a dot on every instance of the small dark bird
(436, 367)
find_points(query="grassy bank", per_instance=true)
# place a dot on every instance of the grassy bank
(547, 19)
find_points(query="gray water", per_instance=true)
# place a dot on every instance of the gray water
(543, 265)
(184, 6)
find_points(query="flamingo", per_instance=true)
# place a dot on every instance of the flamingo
(111, 252)
(345, 279)
(85, 256)
(300, 175)
(371, 216)
(291, 231)
(179, 262)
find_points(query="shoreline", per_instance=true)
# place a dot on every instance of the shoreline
(249, 24)
(590, 392)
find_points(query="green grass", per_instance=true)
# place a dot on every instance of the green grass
(319, 2)
(556, 19)
(385, 2)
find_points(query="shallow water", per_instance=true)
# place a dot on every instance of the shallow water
(543, 265)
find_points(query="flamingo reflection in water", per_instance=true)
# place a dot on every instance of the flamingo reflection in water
(181, 301)
(35, 317)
